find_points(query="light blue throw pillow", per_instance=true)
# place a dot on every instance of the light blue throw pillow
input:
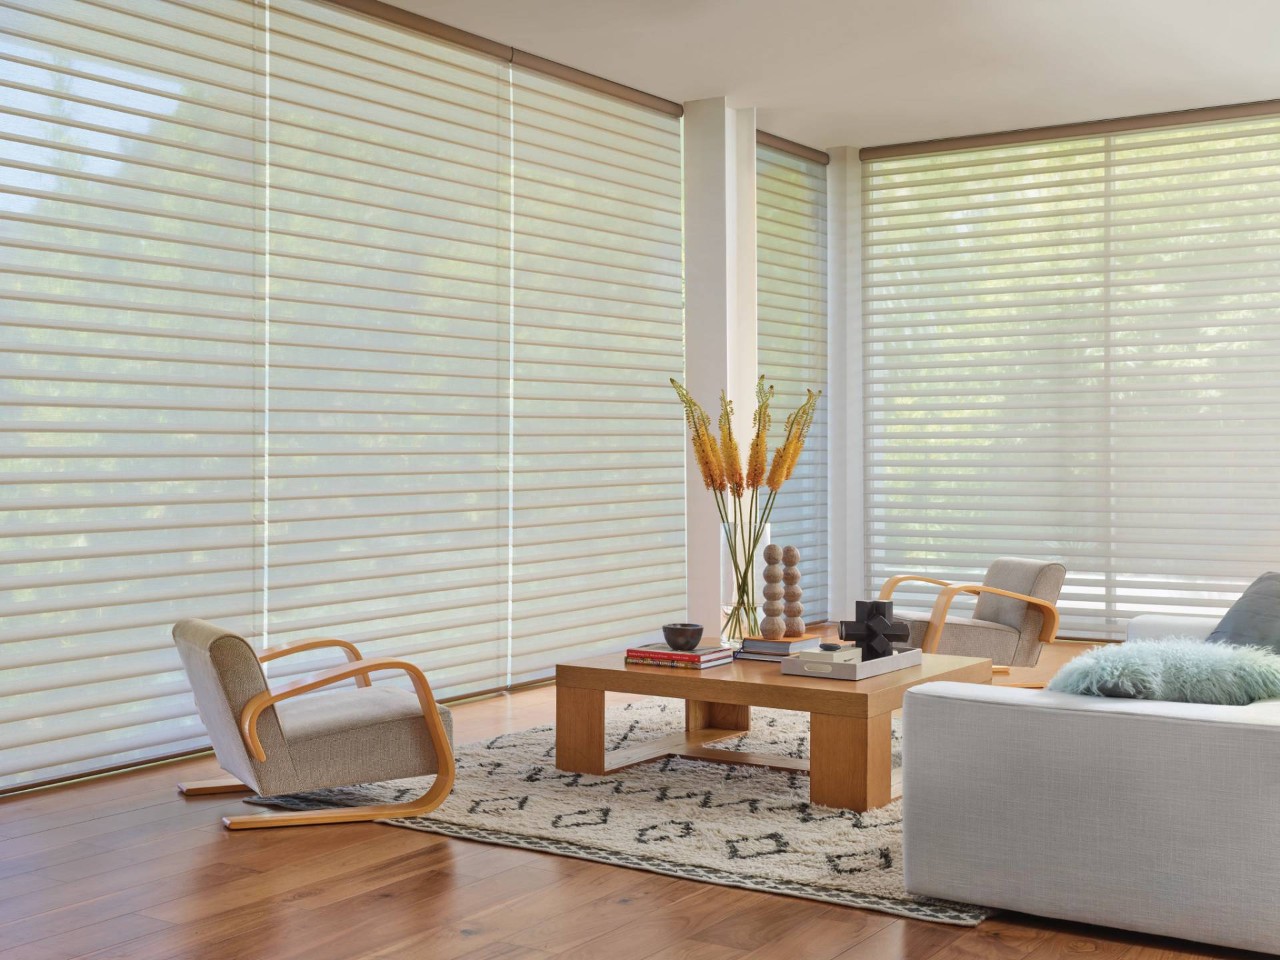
(1187, 671)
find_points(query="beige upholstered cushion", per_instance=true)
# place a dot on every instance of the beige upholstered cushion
(360, 735)
(965, 636)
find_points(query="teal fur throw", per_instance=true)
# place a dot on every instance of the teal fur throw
(1188, 671)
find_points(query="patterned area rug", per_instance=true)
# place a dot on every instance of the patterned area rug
(739, 826)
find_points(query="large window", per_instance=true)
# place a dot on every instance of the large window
(791, 267)
(1072, 351)
(313, 324)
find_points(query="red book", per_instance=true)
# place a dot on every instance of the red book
(660, 651)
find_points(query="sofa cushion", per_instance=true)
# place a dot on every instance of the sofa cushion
(1186, 671)
(1254, 619)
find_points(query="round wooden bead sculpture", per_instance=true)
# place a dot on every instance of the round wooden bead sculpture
(772, 627)
(793, 608)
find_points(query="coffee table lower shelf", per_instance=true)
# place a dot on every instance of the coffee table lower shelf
(851, 765)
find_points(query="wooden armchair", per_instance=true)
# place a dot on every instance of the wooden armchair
(274, 743)
(1015, 614)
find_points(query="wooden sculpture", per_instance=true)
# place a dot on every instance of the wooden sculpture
(793, 608)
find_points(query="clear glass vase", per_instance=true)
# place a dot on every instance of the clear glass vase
(741, 584)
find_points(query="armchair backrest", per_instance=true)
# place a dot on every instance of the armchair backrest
(225, 675)
(1032, 578)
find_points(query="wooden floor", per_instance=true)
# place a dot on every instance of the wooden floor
(122, 867)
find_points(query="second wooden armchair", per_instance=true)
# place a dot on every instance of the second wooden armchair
(1015, 615)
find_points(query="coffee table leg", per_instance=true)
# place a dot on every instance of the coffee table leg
(850, 761)
(707, 714)
(579, 730)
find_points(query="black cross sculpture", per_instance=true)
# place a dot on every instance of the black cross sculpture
(874, 630)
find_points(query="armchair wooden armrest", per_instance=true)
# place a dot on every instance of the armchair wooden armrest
(323, 678)
(938, 618)
(315, 643)
(886, 592)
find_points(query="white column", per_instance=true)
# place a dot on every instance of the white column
(720, 310)
(844, 331)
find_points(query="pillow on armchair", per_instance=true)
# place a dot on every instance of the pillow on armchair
(1187, 671)
(1254, 619)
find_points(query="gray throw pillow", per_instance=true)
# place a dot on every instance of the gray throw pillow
(1254, 619)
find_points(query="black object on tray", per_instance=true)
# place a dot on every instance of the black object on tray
(874, 630)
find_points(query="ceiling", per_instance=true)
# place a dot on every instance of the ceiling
(865, 72)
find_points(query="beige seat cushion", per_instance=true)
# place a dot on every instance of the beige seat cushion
(358, 735)
(965, 636)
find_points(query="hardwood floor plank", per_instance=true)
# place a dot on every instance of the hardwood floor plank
(290, 877)
(904, 940)
(997, 939)
(121, 829)
(132, 900)
(695, 950)
(825, 936)
(505, 951)
(672, 928)
(43, 859)
(759, 919)
(1070, 944)
(25, 883)
(83, 793)
(77, 942)
(97, 860)
(601, 916)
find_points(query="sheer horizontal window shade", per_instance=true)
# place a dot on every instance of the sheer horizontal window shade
(259, 330)
(791, 231)
(598, 468)
(131, 340)
(389, 311)
(1071, 352)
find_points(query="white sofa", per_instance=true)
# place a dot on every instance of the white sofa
(1144, 815)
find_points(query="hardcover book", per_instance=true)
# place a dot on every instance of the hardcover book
(660, 651)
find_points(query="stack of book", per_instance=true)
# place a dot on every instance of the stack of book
(758, 648)
(699, 658)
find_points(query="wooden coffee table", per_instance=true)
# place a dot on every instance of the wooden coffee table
(850, 763)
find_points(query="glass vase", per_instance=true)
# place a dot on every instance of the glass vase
(742, 581)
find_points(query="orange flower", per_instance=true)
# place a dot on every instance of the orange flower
(758, 452)
(729, 454)
(787, 456)
(705, 450)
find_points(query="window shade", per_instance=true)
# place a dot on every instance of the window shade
(270, 338)
(791, 231)
(1071, 352)
(598, 475)
(131, 338)
(387, 387)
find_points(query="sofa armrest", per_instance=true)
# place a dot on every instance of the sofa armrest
(1141, 815)
(1164, 626)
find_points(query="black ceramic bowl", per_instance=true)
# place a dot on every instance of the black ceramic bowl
(682, 636)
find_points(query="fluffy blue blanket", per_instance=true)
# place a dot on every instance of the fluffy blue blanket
(1189, 671)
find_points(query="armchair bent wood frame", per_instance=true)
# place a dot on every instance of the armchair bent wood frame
(1014, 617)
(277, 741)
